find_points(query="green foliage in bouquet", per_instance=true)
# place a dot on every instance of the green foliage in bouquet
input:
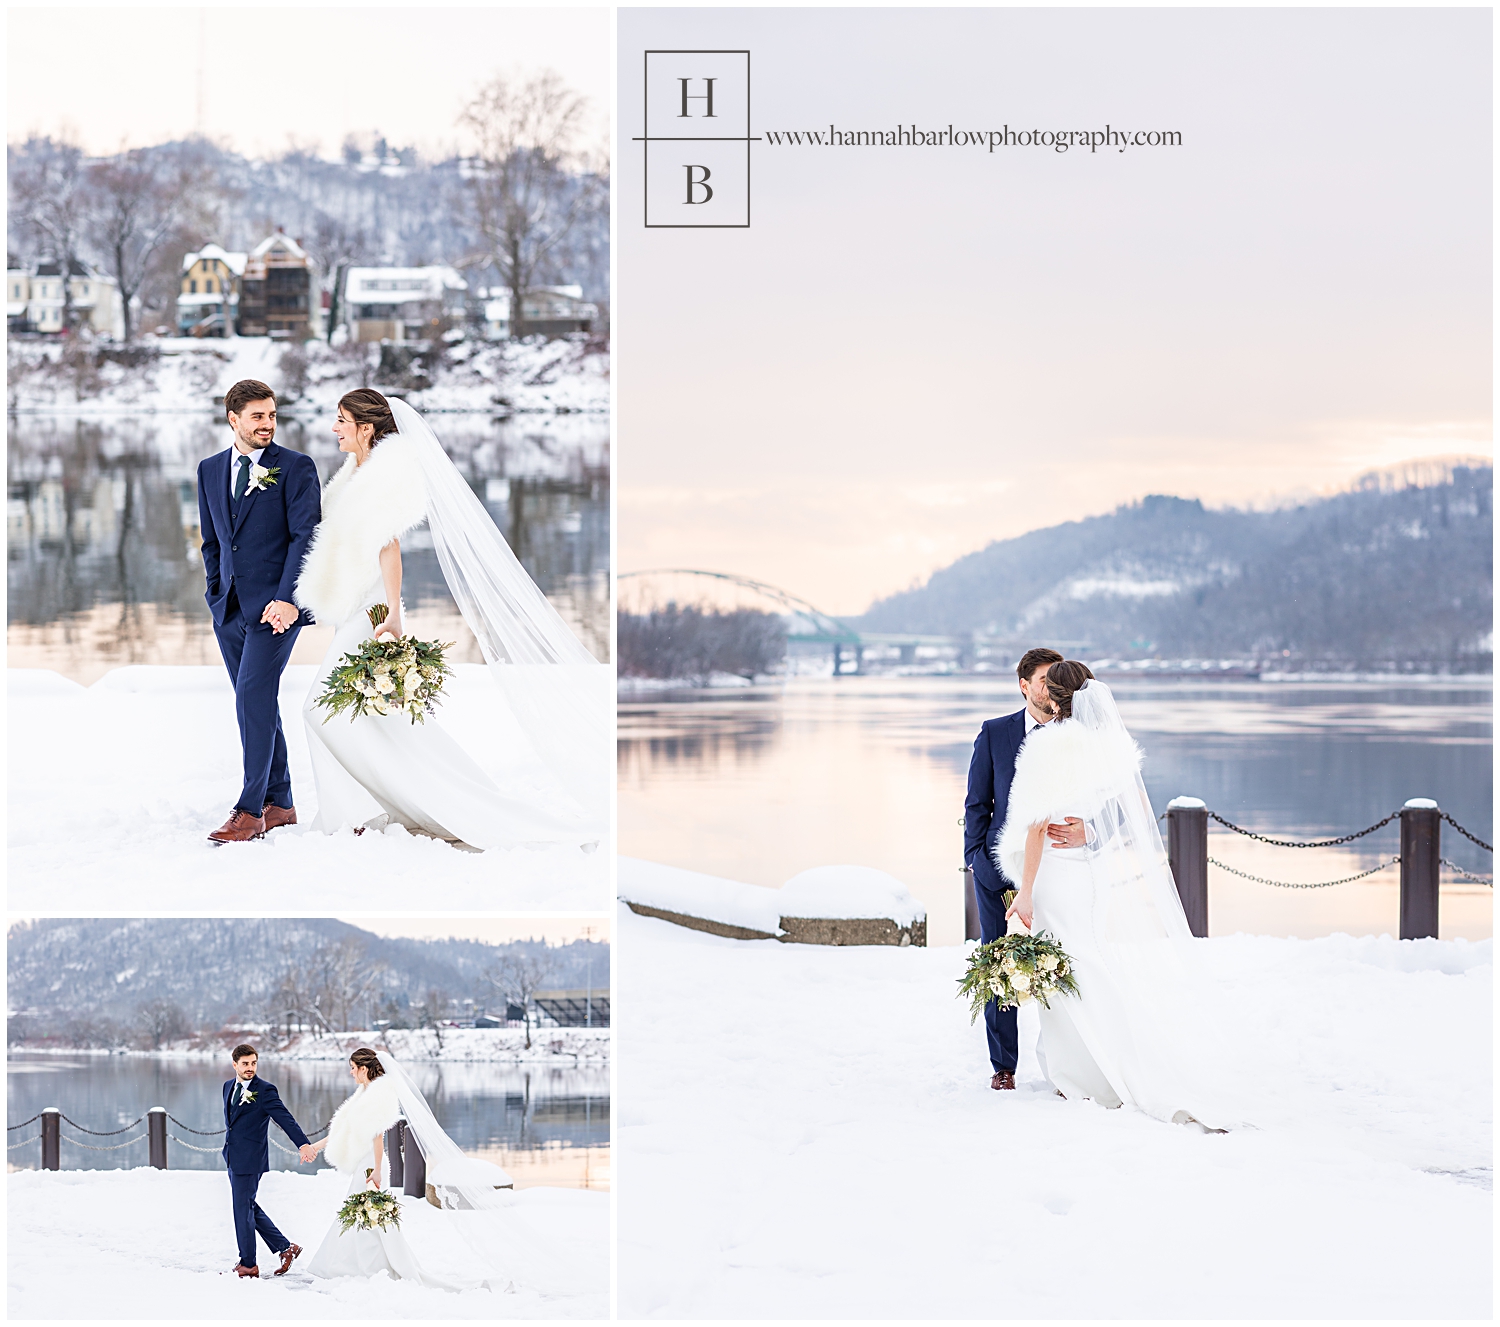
(1016, 969)
(403, 676)
(370, 1209)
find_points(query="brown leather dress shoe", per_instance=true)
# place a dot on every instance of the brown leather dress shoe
(288, 1256)
(1004, 1080)
(241, 1270)
(239, 828)
(277, 816)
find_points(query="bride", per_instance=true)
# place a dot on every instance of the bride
(1113, 906)
(382, 768)
(383, 1094)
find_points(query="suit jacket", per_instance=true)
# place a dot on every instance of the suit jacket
(246, 1151)
(257, 551)
(991, 771)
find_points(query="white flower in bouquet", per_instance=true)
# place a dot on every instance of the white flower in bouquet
(384, 684)
(379, 706)
(1047, 962)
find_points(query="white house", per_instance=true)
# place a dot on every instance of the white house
(548, 311)
(34, 300)
(403, 303)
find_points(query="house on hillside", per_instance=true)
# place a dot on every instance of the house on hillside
(209, 295)
(34, 300)
(403, 304)
(547, 311)
(276, 291)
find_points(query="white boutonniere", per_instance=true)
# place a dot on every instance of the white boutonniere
(261, 477)
(247, 1098)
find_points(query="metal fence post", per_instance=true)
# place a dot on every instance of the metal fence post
(1421, 830)
(51, 1134)
(416, 1166)
(156, 1136)
(397, 1171)
(1187, 852)
(971, 905)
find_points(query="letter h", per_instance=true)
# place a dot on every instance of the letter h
(708, 97)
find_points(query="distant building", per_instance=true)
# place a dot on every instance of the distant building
(276, 291)
(210, 292)
(547, 311)
(34, 300)
(575, 1009)
(403, 303)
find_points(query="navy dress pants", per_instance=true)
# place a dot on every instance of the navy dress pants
(250, 1221)
(256, 657)
(999, 1024)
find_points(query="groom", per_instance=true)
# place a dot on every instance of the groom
(990, 773)
(258, 505)
(250, 1104)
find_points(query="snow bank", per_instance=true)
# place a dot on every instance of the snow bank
(825, 891)
(114, 788)
(191, 375)
(871, 1172)
(149, 1244)
(558, 1047)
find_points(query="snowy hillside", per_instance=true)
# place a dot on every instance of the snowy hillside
(1392, 572)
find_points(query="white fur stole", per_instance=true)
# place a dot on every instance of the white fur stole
(1063, 769)
(351, 1133)
(364, 508)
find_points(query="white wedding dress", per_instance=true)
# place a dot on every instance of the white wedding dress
(417, 775)
(369, 1111)
(1132, 1034)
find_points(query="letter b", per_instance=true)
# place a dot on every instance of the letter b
(701, 182)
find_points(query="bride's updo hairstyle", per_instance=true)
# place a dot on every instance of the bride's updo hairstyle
(1063, 679)
(366, 1059)
(364, 405)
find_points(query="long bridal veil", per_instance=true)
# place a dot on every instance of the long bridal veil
(557, 690)
(460, 1181)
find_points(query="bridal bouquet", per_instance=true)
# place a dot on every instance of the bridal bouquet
(370, 1209)
(388, 677)
(1016, 969)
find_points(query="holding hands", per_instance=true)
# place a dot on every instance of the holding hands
(280, 615)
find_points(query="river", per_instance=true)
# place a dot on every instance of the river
(102, 532)
(546, 1126)
(760, 783)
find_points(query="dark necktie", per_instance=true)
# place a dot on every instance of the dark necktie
(242, 480)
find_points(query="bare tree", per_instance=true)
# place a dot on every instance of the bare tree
(346, 978)
(161, 1021)
(335, 248)
(134, 207)
(518, 977)
(48, 202)
(526, 200)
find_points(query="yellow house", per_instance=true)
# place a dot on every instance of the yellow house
(210, 291)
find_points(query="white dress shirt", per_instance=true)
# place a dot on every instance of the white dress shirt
(234, 465)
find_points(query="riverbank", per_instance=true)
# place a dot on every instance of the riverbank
(875, 1174)
(152, 1244)
(555, 1047)
(185, 374)
(115, 787)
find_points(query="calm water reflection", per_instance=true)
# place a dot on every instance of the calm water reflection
(102, 529)
(544, 1125)
(760, 784)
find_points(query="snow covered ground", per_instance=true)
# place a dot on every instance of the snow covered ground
(104, 1244)
(114, 787)
(535, 376)
(816, 1137)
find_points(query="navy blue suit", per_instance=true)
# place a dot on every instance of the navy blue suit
(252, 554)
(247, 1157)
(990, 774)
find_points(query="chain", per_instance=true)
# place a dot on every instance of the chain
(92, 1148)
(193, 1147)
(1466, 833)
(104, 1133)
(11, 1128)
(1321, 843)
(1322, 884)
(202, 1133)
(1459, 871)
(25, 1142)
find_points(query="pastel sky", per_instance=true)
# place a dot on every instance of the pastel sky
(279, 75)
(914, 351)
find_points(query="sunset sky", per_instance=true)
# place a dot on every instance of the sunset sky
(914, 351)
